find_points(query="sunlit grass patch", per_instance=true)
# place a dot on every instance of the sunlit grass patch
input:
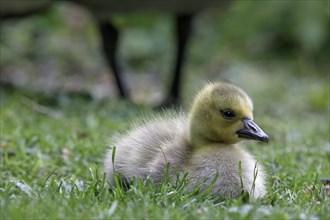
(52, 167)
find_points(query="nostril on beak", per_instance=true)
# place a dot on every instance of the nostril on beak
(253, 128)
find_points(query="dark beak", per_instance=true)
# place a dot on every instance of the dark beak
(252, 131)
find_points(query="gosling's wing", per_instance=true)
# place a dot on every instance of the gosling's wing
(137, 149)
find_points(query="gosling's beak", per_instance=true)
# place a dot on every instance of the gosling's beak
(252, 131)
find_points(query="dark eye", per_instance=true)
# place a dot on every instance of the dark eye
(228, 114)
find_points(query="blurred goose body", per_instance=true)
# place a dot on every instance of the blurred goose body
(183, 10)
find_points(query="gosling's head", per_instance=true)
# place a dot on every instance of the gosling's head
(223, 113)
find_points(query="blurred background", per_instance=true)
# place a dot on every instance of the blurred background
(278, 51)
(253, 43)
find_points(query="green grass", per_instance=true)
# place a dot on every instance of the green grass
(51, 158)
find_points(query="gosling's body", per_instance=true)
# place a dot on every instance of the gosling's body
(142, 151)
(225, 160)
(192, 144)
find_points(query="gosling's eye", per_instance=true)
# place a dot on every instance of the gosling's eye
(228, 114)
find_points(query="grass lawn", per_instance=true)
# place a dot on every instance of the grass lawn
(52, 151)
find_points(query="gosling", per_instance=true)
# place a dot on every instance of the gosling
(203, 145)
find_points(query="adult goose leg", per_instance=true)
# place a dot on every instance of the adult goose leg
(109, 35)
(183, 32)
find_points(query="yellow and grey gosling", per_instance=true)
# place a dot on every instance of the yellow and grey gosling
(202, 144)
